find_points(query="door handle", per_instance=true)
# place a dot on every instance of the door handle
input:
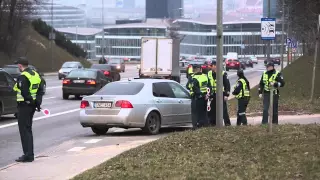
(158, 101)
(180, 101)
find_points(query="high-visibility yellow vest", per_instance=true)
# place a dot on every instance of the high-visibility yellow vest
(190, 70)
(267, 81)
(244, 89)
(34, 80)
(213, 81)
(203, 83)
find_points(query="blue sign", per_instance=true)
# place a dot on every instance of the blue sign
(268, 28)
(292, 43)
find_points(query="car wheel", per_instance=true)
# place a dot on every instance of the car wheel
(78, 97)
(99, 130)
(65, 96)
(16, 115)
(153, 124)
(227, 69)
(116, 77)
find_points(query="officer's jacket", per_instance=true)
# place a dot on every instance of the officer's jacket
(23, 84)
(226, 82)
(241, 89)
(268, 77)
(193, 85)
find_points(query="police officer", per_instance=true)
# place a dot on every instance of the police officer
(198, 85)
(271, 79)
(190, 71)
(226, 92)
(29, 90)
(242, 93)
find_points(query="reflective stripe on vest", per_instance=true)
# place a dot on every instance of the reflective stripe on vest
(34, 80)
(190, 86)
(203, 82)
(190, 70)
(244, 90)
(267, 81)
(213, 81)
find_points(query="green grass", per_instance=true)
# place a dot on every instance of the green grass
(37, 50)
(294, 97)
(292, 152)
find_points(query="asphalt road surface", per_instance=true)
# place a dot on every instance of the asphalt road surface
(62, 133)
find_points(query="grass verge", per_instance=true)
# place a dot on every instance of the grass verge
(292, 152)
(294, 97)
(37, 50)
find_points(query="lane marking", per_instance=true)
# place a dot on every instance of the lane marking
(76, 149)
(50, 98)
(42, 117)
(53, 87)
(92, 141)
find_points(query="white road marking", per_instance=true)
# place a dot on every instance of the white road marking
(75, 149)
(92, 141)
(53, 87)
(50, 98)
(42, 117)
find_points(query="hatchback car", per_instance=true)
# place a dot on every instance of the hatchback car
(8, 97)
(83, 82)
(67, 67)
(247, 62)
(109, 71)
(234, 64)
(139, 103)
(118, 63)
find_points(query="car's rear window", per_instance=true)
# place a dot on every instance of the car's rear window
(121, 88)
(11, 70)
(101, 67)
(82, 74)
(232, 60)
(70, 65)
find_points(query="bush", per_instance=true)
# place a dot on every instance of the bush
(42, 28)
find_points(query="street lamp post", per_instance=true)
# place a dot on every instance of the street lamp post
(282, 34)
(103, 40)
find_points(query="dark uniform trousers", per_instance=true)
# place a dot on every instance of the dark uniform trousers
(25, 116)
(242, 108)
(199, 112)
(266, 104)
(212, 113)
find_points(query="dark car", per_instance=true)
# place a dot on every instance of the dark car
(83, 82)
(247, 61)
(67, 67)
(14, 72)
(234, 64)
(108, 70)
(8, 97)
(274, 60)
(118, 63)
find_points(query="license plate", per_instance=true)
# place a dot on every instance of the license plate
(78, 81)
(103, 104)
(231, 64)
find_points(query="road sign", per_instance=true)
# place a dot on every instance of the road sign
(268, 28)
(288, 41)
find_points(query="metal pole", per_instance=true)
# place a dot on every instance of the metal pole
(269, 42)
(282, 36)
(103, 43)
(76, 35)
(51, 42)
(219, 93)
(315, 61)
(271, 88)
(241, 42)
(288, 36)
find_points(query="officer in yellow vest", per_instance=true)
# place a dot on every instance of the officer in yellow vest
(29, 94)
(271, 79)
(197, 86)
(242, 93)
(190, 71)
(226, 93)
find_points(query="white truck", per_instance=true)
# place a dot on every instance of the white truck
(160, 58)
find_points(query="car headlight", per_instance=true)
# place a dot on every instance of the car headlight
(118, 67)
(60, 71)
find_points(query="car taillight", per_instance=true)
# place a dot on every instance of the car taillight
(92, 82)
(237, 62)
(106, 73)
(66, 81)
(123, 104)
(84, 104)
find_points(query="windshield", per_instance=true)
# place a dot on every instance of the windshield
(12, 70)
(82, 74)
(101, 67)
(196, 62)
(70, 65)
(121, 88)
(114, 61)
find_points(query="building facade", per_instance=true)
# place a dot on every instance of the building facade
(84, 38)
(164, 9)
(63, 16)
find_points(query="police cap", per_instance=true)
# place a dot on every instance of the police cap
(270, 63)
(196, 66)
(22, 60)
(214, 63)
(240, 72)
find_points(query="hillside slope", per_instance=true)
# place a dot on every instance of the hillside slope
(37, 50)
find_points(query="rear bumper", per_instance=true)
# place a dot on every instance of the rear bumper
(232, 67)
(61, 75)
(124, 119)
(79, 90)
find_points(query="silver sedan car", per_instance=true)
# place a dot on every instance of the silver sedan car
(139, 103)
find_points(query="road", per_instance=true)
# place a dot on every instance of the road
(61, 132)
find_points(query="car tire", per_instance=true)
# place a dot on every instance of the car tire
(65, 96)
(16, 115)
(153, 124)
(59, 78)
(117, 77)
(227, 69)
(78, 97)
(99, 130)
